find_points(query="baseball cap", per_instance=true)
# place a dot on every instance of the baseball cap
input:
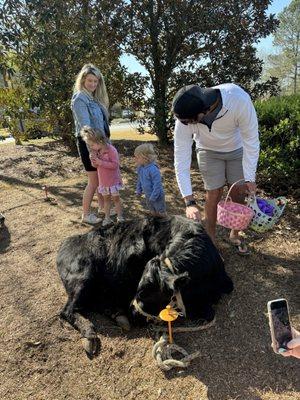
(192, 99)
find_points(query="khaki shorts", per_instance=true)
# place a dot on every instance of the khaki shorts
(218, 168)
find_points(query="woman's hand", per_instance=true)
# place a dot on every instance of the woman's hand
(95, 161)
(293, 346)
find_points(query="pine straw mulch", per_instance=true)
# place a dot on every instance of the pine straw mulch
(42, 358)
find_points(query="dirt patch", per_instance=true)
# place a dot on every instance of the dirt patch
(42, 358)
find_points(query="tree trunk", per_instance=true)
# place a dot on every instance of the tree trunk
(296, 64)
(295, 79)
(160, 118)
(5, 81)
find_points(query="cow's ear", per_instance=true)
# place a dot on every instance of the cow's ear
(181, 281)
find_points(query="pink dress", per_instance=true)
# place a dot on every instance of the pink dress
(108, 169)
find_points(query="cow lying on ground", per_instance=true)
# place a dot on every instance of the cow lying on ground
(140, 266)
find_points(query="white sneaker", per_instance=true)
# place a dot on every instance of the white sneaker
(90, 219)
(106, 221)
(120, 219)
(112, 212)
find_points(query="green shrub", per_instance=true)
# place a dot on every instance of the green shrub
(17, 118)
(36, 128)
(13, 105)
(279, 126)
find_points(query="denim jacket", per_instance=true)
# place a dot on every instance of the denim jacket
(87, 111)
(149, 181)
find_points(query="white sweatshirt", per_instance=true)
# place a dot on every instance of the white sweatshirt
(234, 127)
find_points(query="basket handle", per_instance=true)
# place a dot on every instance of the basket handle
(251, 199)
(240, 180)
(281, 207)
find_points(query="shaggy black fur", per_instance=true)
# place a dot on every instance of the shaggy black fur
(105, 269)
(2, 219)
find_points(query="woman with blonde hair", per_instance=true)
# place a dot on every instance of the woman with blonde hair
(149, 179)
(89, 105)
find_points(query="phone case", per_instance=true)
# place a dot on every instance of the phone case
(274, 343)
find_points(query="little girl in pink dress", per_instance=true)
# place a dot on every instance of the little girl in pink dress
(104, 156)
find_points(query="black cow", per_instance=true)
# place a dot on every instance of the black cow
(2, 219)
(147, 263)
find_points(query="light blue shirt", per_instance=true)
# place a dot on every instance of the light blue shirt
(87, 111)
(149, 181)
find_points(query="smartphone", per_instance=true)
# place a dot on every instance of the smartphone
(280, 326)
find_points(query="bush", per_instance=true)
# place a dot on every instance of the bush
(13, 105)
(18, 118)
(36, 128)
(279, 125)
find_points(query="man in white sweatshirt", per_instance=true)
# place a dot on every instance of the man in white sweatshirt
(223, 123)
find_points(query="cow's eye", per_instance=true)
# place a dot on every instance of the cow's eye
(142, 293)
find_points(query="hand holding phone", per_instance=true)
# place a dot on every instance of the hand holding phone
(294, 345)
(280, 326)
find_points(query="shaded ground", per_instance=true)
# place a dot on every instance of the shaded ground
(41, 358)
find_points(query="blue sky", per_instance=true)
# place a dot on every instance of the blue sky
(264, 47)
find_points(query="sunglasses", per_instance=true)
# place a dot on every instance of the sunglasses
(199, 117)
(194, 120)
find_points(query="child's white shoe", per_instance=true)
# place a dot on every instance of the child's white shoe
(112, 212)
(106, 222)
(90, 219)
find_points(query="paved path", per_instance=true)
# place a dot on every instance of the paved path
(123, 126)
(7, 140)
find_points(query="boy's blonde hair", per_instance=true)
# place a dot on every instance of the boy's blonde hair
(147, 151)
(93, 136)
(100, 93)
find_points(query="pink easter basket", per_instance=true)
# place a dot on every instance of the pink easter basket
(233, 215)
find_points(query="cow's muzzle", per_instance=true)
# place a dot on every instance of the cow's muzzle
(175, 302)
(138, 308)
